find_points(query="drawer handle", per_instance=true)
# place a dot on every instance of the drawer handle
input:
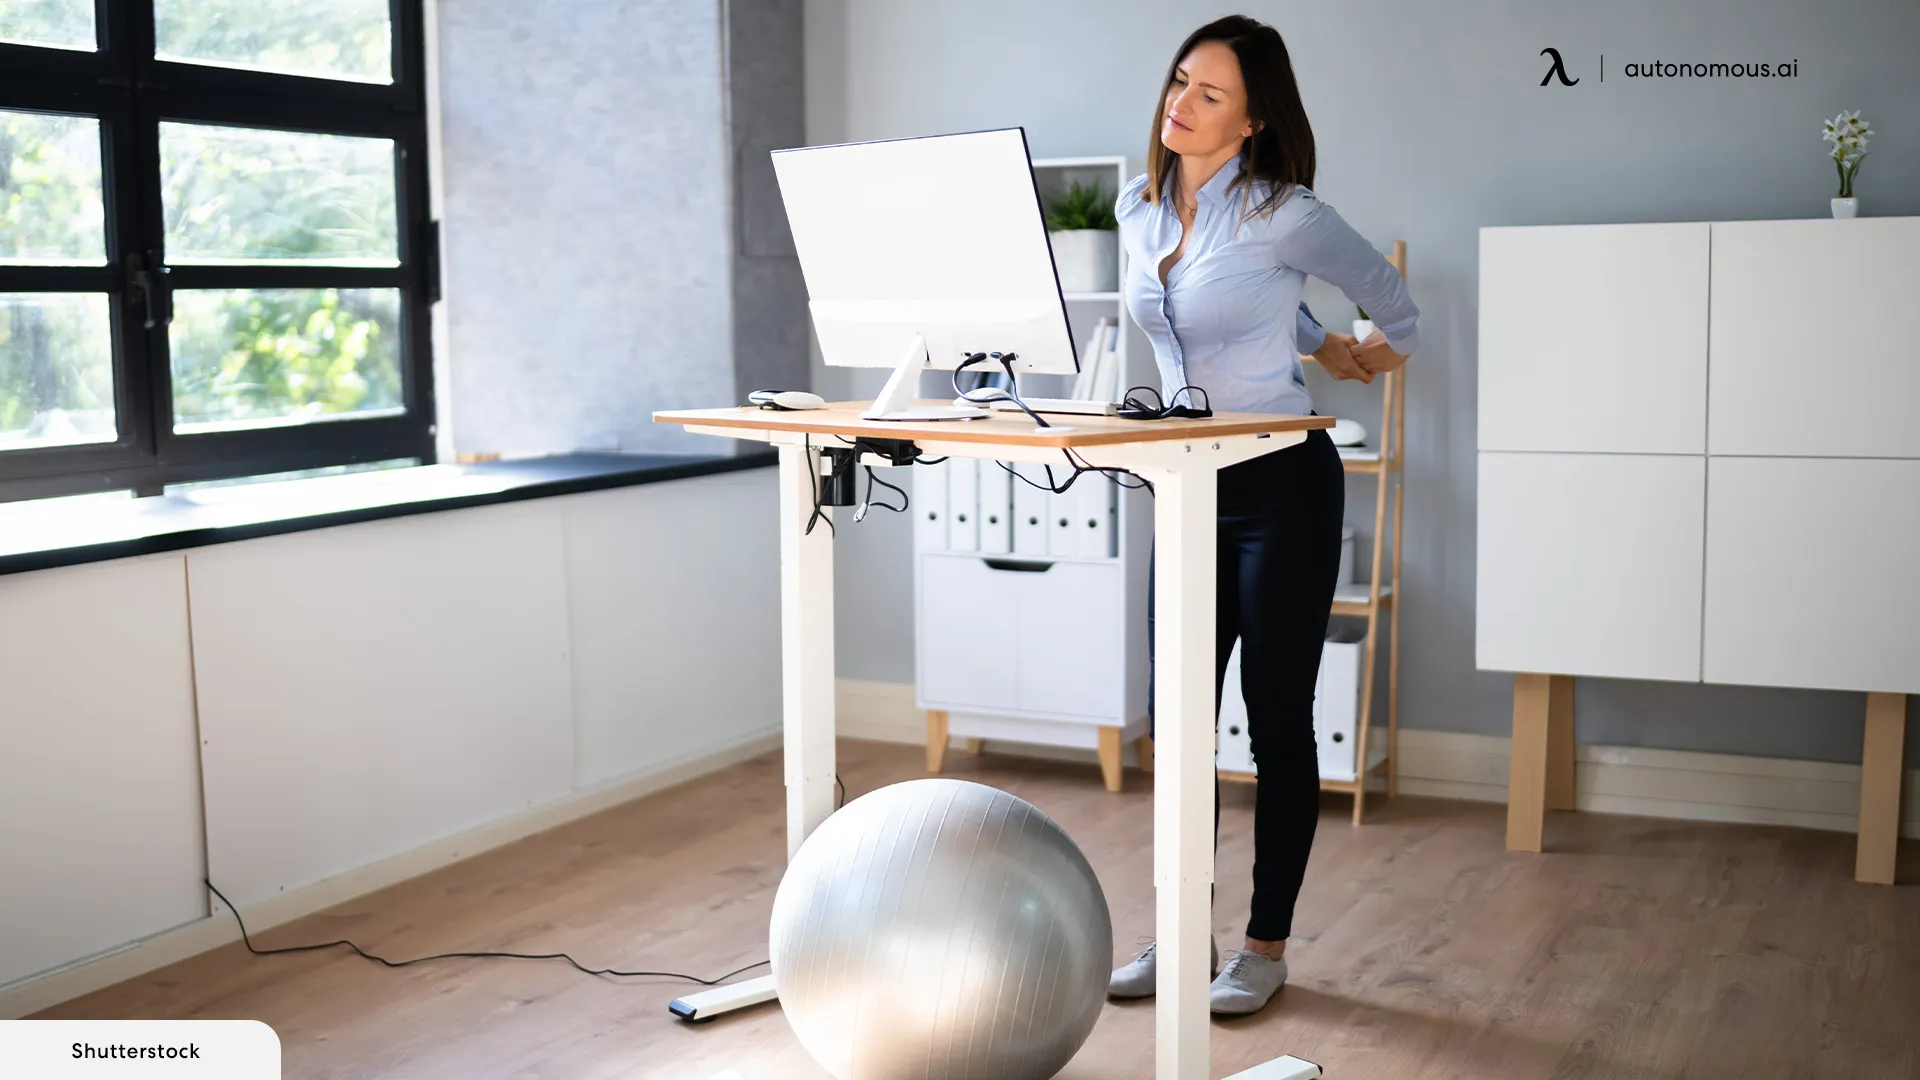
(1018, 567)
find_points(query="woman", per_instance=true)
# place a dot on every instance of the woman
(1222, 231)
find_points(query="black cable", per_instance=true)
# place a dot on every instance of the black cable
(1079, 465)
(807, 448)
(245, 937)
(1009, 393)
(867, 502)
(837, 782)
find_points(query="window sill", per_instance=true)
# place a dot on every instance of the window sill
(41, 534)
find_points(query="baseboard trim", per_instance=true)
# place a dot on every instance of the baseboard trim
(1678, 784)
(50, 988)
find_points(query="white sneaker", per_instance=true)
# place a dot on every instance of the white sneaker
(1247, 983)
(1139, 977)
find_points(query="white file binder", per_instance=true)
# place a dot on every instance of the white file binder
(963, 504)
(1062, 509)
(1093, 516)
(996, 509)
(1030, 506)
(929, 507)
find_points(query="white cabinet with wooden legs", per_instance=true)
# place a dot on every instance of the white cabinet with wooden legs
(1760, 534)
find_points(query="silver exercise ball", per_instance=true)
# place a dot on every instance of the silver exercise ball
(941, 929)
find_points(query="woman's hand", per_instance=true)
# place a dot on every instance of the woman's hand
(1336, 356)
(1376, 356)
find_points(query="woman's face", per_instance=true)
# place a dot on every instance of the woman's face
(1206, 107)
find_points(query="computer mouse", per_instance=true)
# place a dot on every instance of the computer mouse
(787, 399)
(1346, 432)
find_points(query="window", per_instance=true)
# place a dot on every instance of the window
(216, 256)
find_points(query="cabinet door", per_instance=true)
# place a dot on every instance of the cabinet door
(1069, 636)
(966, 642)
(1590, 564)
(1594, 337)
(1816, 338)
(1813, 573)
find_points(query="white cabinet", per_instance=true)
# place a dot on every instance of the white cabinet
(1815, 338)
(1589, 564)
(1594, 337)
(1739, 505)
(966, 645)
(1628, 383)
(1813, 573)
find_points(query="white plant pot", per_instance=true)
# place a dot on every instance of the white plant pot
(1846, 208)
(1361, 328)
(1088, 260)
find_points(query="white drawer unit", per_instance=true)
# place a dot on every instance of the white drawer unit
(1778, 550)
(1045, 641)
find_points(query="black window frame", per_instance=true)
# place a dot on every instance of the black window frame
(131, 93)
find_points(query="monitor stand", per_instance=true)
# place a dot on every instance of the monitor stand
(896, 400)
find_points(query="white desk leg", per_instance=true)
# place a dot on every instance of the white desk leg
(806, 649)
(1184, 562)
(807, 693)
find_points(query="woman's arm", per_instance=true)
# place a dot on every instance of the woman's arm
(1308, 335)
(1311, 236)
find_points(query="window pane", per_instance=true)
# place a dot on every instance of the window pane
(249, 195)
(328, 39)
(63, 24)
(56, 370)
(263, 357)
(51, 208)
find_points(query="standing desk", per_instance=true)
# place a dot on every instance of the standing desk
(1181, 459)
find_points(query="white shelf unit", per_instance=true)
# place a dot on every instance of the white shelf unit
(1073, 671)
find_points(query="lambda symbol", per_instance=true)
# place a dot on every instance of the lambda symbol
(1559, 68)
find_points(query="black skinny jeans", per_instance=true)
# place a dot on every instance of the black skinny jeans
(1280, 518)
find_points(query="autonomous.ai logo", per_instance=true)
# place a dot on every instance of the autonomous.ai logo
(1559, 68)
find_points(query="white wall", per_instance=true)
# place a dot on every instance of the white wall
(363, 691)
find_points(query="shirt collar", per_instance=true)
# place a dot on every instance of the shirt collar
(1215, 190)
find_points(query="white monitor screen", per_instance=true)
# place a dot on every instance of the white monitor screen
(940, 236)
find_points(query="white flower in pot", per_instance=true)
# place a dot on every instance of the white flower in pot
(1085, 239)
(1848, 134)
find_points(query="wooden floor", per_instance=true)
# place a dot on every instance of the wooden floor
(1636, 948)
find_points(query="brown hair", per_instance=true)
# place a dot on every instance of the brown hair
(1280, 150)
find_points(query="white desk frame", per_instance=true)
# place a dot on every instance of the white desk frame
(1184, 475)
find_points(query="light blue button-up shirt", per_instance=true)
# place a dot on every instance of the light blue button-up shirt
(1229, 319)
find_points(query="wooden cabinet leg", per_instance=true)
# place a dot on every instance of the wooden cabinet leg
(1527, 769)
(1110, 757)
(1144, 747)
(936, 739)
(975, 746)
(1560, 743)
(1883, 761)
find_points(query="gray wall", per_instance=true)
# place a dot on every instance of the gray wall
(602, 258)
(1431, 122)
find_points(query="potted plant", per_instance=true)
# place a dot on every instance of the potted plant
(1848, 134)
(1363, 325)
(1085, 238)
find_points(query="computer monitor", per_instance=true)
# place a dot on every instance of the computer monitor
(920, 252)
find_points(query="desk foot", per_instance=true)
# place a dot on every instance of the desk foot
(1280, 1068)
(707, 1004)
